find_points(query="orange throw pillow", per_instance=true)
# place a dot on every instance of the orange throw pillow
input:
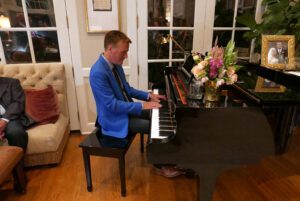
(42, 105)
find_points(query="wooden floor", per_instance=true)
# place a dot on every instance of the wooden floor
(66, 182)
(276, 178)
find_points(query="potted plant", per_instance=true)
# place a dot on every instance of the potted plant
(281, 17)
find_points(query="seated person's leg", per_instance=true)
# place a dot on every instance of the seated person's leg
(141, 124)
(16, 134)
(138, 125)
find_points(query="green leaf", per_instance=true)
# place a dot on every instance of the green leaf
(247, 19)
(281, 32)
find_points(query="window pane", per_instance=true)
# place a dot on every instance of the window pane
(41, 13)
(224, 11)
(246, 6)
(242, 45)
(223, 37)
(45, 46)
(183, 13)
(14, 12)
(156, 74)
(15, 45)
(185, 39)
(157, 49)
(159, 13)
(178, 63)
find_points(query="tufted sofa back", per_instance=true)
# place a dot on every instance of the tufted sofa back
(39, 76)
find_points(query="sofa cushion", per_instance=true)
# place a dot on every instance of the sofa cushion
(47, 137)
(42, 105)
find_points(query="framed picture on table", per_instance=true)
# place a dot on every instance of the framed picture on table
(102, 15)
(265, 85)
(278, 51)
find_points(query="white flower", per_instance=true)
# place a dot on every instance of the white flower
(200, 66)
(232, 79)
(204, 79)
(196, 57)
(220, 82)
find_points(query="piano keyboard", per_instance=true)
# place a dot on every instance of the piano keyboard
(163, 123)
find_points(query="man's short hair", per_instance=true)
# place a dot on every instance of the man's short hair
(113, 37)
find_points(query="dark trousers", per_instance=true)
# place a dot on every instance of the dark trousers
(16, 134)
(140, 124)
(137, 124)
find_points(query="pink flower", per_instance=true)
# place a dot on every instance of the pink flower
(232, 79)
(213, 71)
(217, 53)
(230, 71)
(216, 63)
(213, 68)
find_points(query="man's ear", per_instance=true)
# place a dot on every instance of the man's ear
(109, 47)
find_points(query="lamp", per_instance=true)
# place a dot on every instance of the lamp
(4, 22)
(167, 39)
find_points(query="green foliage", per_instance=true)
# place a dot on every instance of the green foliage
(282, 17)
(230, 56)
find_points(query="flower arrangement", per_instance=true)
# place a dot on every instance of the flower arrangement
(218, 66)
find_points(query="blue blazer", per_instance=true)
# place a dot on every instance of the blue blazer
(112, 110)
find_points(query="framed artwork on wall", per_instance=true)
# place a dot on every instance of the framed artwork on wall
(278, 51)
(102, 15)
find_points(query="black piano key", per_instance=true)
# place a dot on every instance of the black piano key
(167, 123)
(167, 127)
(161, 92)
(166, 115)
(166, 133)
(165, 120)
(164, 104)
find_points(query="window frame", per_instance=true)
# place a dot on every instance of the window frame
(28, 30)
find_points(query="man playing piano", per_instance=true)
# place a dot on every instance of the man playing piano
(118, 115)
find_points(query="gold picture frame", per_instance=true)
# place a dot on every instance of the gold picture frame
(278, 51)
(102, 15)
(264, 85)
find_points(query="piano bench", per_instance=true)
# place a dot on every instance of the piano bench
(100, 145)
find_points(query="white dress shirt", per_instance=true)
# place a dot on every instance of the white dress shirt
(2, 112)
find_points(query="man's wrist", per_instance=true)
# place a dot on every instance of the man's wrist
(149, 96)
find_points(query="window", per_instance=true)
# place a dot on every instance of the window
(168, 19)
(28, 31)
(226, 27)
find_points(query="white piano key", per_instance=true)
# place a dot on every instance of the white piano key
(155, 123)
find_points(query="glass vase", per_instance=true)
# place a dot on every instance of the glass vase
(212, 92)
(196, 89)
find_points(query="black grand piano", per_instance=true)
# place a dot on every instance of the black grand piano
(245, 126)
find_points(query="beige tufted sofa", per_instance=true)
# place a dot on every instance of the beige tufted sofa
(45, 142)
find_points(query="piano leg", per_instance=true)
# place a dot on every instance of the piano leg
(207, 175)
(282, 120)
(287, 124)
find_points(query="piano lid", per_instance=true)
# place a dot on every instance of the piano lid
(268, 85)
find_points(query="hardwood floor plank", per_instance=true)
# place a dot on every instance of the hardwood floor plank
(275, 178)
(66, 181)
